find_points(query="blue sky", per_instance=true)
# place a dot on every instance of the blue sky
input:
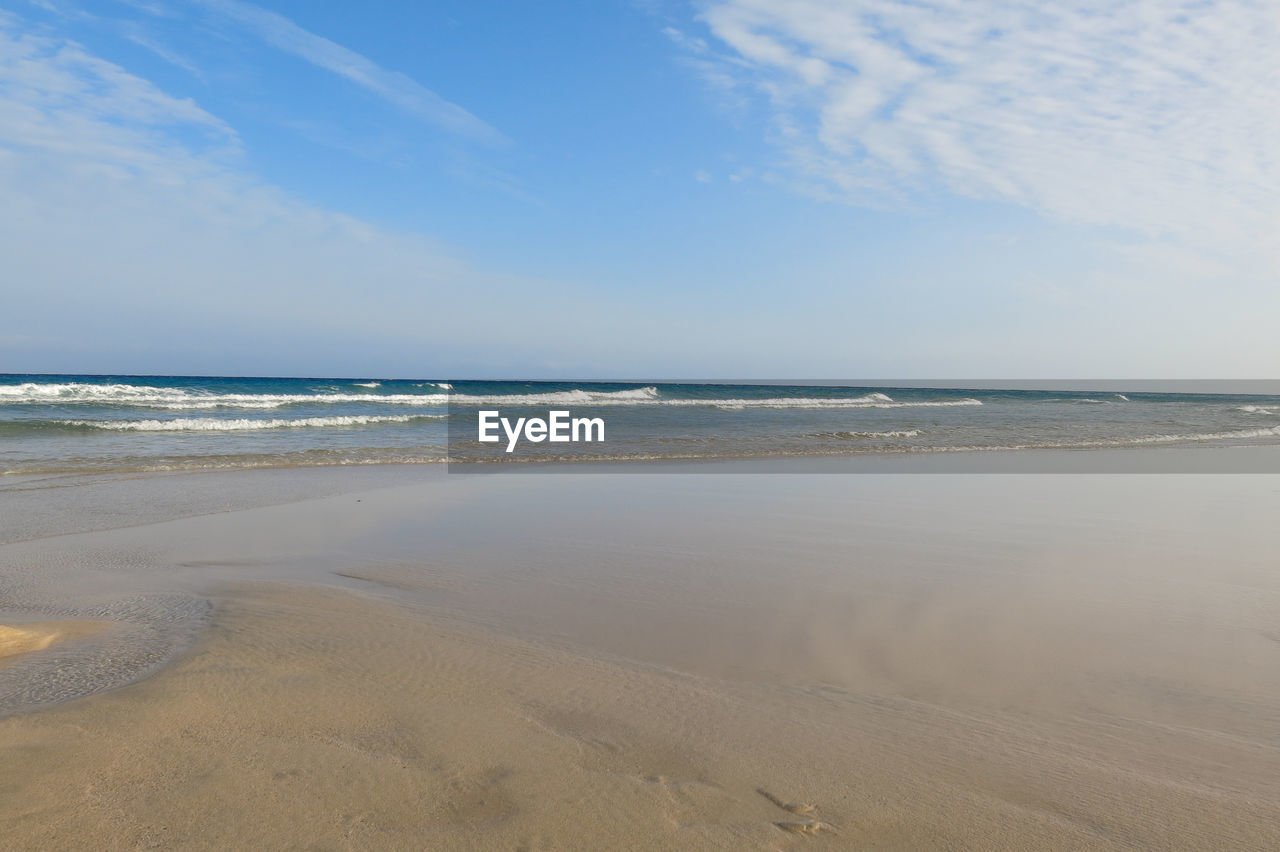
(719, 189)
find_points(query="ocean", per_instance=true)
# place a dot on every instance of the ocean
(88, 424)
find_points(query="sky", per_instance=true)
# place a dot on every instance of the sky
(647, 189)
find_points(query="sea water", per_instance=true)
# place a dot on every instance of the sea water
(84, 424)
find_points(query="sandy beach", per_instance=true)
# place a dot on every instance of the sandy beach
(741, 425)
(399, 658)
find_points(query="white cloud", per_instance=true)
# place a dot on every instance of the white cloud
(133, 237)
(60, 101)
(685, 41)
(1161, 116)
(392, 86)
(140, 37)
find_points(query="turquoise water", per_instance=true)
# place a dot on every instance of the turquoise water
(57, 424)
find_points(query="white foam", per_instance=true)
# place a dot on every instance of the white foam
(1088, 400)
(213, 424)
(81, 392)
(368, 384)
(1136, 441)
(875, 400)
(1260, 409)
(650, 396)
(891, 433)
(576, 396)
(184, 399)
(1273, 431)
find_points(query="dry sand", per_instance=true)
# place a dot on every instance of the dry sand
(625, 662)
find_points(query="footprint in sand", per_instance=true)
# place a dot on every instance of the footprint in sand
(807, 826)
(795, 826)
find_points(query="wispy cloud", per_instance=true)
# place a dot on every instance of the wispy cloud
(129, 215)
(46, 6)
(394, 87)
(1156, 115)
(134, 237)
(59, 100)
(145, 40)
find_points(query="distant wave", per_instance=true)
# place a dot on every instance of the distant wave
(213, 424)
(367, 384)
(1088, 400)
(140, 395)
(650, 396)
(182, 398)
(576, 396)
(871, 400)
(146, 396)
(875, 400)
(1260, 409)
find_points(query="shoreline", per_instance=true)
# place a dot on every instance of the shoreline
(1235, 459)
(1137, 459)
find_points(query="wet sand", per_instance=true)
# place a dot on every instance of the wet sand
(17, 639)
(667, 661)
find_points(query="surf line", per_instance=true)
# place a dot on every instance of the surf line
(558, 427)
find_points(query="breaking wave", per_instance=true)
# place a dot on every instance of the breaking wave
(871, 400)
(169, 398)
(145, 396)
(213, 424)
(1270, 432)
